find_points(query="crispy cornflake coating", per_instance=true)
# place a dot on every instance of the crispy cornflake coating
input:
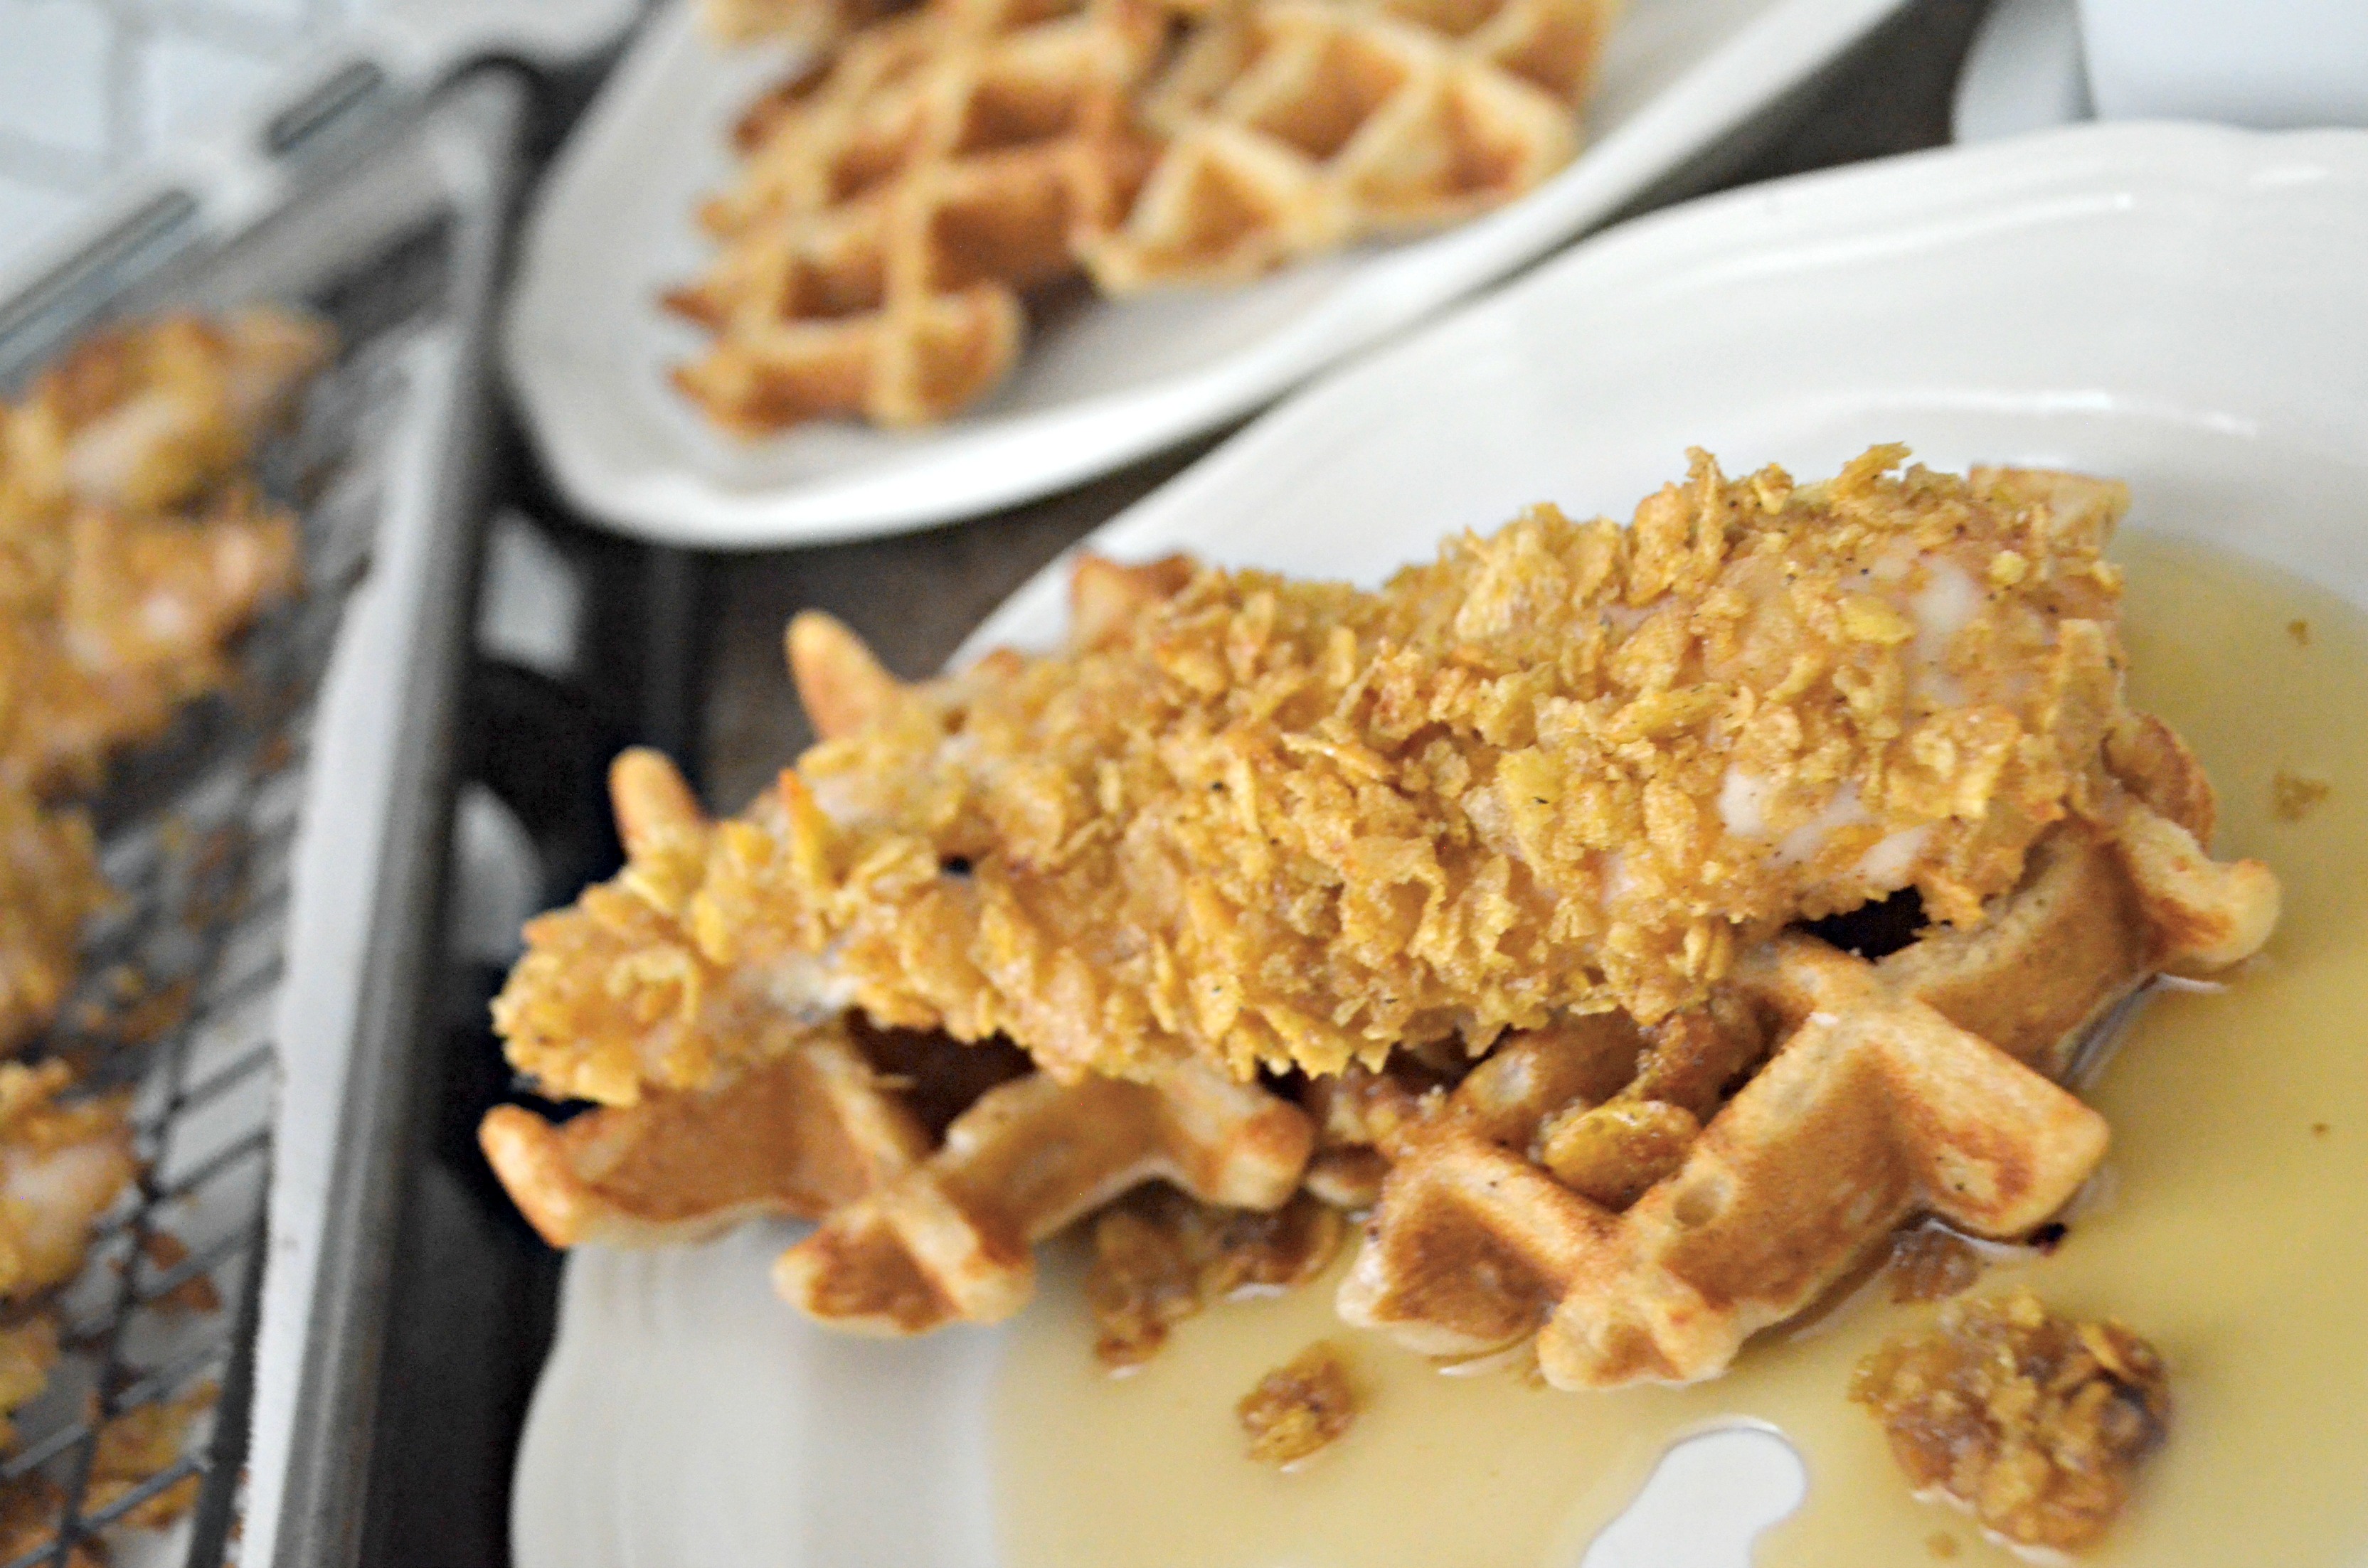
(135, 550)
(28, 1351)
(1302, 1408)
(1160, 1256)
(1268, 822)
(48, 885)
(2034, 1422)
(133, 553)
(60, 1166)
(1567, 768)
(152, 415)
(142, 1444)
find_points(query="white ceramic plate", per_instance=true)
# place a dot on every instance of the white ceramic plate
(588, 349)
(2177, 305)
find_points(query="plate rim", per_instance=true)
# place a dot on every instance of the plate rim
(1751, 221)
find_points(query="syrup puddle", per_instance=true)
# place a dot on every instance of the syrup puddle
(2233, 1234)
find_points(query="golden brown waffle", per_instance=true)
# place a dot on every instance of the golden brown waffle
(1913, 1084)
(838, 1110)
(1299, 125)
(947, 162)
(950, 1240)
(810, 22)
(797, 1134)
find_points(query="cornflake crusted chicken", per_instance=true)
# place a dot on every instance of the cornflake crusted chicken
(1564, 768)
(49, 884)
(132, 553)
(60, 1166)
(2034, 1423)
(131, 548)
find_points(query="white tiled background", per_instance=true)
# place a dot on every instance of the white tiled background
(89, 86)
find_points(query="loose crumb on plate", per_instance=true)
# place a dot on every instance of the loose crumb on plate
(2300, 632)
(2033, 1422)
(1305, 1404)
(2293, 796)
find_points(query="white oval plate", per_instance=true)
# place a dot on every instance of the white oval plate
(1106, 383)
(2177, 305)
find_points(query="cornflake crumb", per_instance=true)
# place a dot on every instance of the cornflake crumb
(143, 1443)
(2033, 1422)
(1929, 1263)
(1160, 1256)
(2300, 632)
(30, 1508)
(166, 1253)
(1940, 1543)
(2293, 796)
(1306, 1405)
(2318, 1129)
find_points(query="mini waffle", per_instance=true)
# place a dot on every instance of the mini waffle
(950, 1240)
(903, 199)
(1917, 1083)
(1298, 126)
(796, 1134)
(838, 1110)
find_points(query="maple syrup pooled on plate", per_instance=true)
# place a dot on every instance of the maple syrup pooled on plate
(2229, 1226)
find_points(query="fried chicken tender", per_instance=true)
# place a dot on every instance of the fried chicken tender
(62, 1165)
(131, 556)
(48, 885)
(131, 552)
(152, 415)
(28, 1351)
(1564, 768)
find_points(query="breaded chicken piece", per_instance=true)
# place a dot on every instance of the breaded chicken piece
(1564, 768)
(131, 552)
(62, 1166)
(48, 885)
(142, 618)
(153, 414)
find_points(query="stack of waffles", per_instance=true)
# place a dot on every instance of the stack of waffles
(930, 171)
(1629, 1177)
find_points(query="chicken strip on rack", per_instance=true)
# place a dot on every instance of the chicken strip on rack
(152, 415)
(1565, 768)
(134, 550)
(49, 884)
(63, 1163)
(143, 616)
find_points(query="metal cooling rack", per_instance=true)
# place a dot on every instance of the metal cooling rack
(180, 978)
(197, 835)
